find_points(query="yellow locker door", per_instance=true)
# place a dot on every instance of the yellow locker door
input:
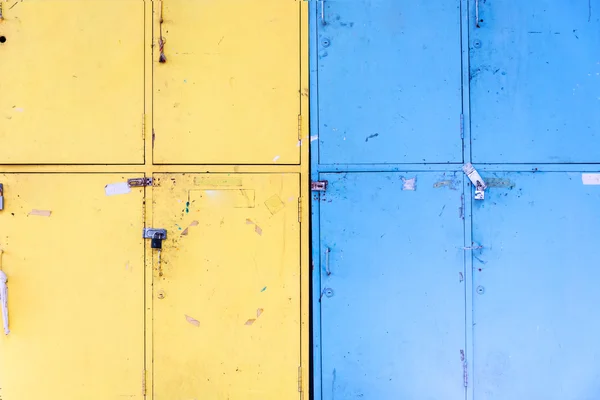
(74, 258)
(72, 82)
(226, 294)
(229, 90)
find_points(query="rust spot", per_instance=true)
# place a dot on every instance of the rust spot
(250, 321)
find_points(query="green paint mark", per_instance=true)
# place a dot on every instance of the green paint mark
(178, 227)
(263, 289)
(187, 207)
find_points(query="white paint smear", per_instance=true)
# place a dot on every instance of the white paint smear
(113, 189)
(590, 179)
(275, 158)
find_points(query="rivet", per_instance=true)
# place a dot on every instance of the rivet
(329, 292)
(480, 290)
(161, 294)
(325, 42)
(477, 43)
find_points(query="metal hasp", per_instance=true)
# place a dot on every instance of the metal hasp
(139, 182)
(318, 186)
(1, 197)
(476, 180)
(156, 235)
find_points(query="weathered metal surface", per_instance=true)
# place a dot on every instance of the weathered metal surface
(389, 82)
(535, 81)
(392, 297)
(227, 286)
(536, 284)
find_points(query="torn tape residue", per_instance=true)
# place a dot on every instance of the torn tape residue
(40, 213)
(409, 184)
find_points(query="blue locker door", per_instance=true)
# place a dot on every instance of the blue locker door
(392, 292)
(389, 81)
(535, 81)
(536, 283)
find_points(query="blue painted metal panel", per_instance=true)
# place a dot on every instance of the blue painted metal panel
(392, 294)
(535, 81)
(389, 77)
(536, 282)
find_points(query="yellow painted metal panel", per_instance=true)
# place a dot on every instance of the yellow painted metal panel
(226, 294)
(229, 91)
(72, 82)
(74, 261)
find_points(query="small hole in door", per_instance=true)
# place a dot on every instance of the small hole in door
(2, 39)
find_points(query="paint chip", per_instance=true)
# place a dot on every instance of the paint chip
(259, 312)
(314, 137)
(409, 184)
(250, 321)
(113, 189)
(274, 204)
(40, 213)
(276, 158)
(257, 228)
(192, 321)
(187, 230)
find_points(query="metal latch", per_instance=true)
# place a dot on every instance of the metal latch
(318, 186)
(156, 235)
(476, 180)
(139, 182)
(1, 197)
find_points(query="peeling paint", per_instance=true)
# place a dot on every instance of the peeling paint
(192, 321)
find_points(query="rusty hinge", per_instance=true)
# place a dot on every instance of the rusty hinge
(299, 209)
(143, 126)
(1, 16)
(300, 379)
(299, 126)
(143, 382)
(318, 186)
(139, 182)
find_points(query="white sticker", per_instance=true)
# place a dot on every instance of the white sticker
(590, 179)
(113, 189)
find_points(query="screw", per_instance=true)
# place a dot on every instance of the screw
(480, 290)
(161, 295)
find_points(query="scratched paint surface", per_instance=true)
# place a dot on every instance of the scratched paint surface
(75, 288)
(536, 289)
(389, 82)
(221, 98)
(226, 320)
(392, 293)
(535, 81)
(64, 79)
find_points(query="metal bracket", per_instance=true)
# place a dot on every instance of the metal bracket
(476, 180)
(151, 233)
(318, 186)
(139, 182)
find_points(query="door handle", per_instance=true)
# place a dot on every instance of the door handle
(4, 300)
(327, 270)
